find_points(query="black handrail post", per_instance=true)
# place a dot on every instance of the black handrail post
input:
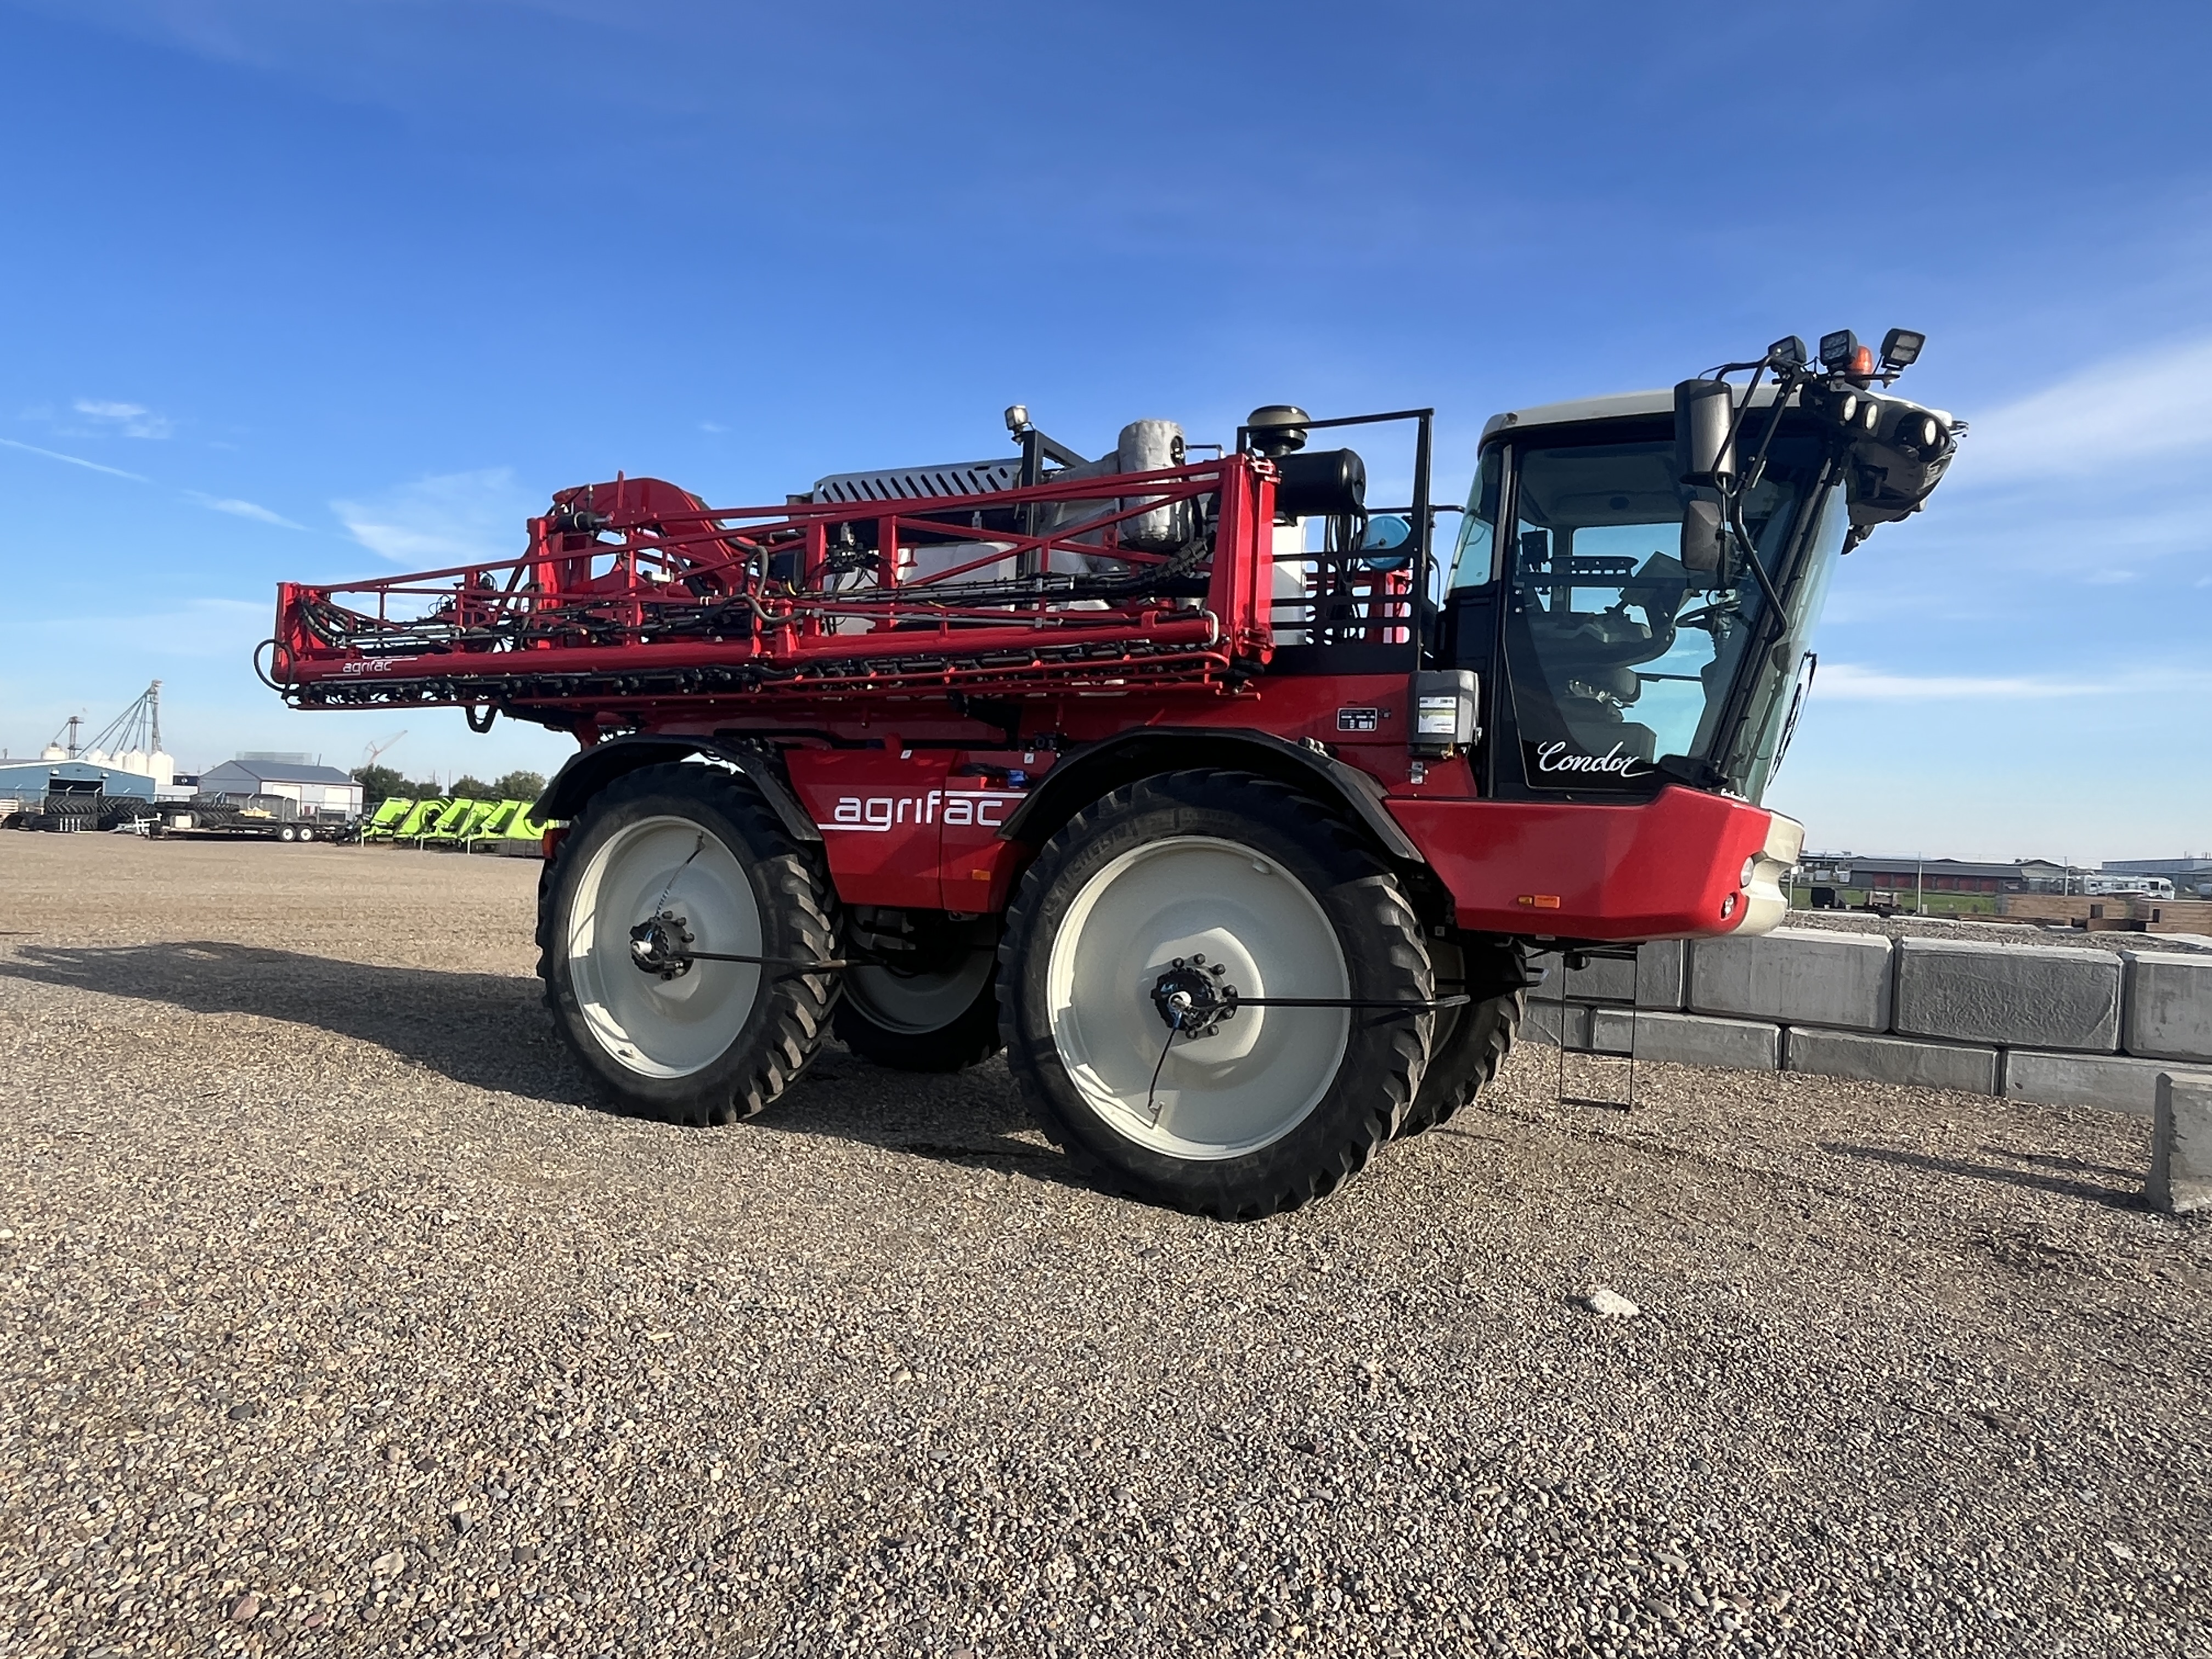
(1424, 530)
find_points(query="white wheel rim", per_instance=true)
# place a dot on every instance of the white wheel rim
(663, 1028)
(1263, 1071)
(917, 1004)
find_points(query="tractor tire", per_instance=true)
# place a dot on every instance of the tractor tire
(942, 1016)
(1237, 881)
(1472, 1040)
(717, 1041)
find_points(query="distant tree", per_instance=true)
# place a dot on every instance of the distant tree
(426, 789)
(469, 786)
(381, 783)
(521, 786)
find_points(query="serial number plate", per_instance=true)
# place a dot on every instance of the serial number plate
(1358, 719)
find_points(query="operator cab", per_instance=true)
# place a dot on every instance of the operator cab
(1639, 615)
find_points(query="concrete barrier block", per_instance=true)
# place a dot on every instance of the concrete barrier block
(1796, 975)
(2114, 1082)
(2028, 996)
(1654, 979)
(1611, 1030)
(2169, 1006)
(1735, 1045)
(2181, 1144)
(1893, 1060)
(1542, 1023)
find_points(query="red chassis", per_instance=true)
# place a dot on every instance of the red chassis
(915, 708)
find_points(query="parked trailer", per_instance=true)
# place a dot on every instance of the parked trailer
(1204, 787)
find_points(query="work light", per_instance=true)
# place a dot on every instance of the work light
(1900, 349)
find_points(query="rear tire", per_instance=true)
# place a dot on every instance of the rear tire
(1276, 1106)
(1472, 1040)
(941, 1016)
(720, 1041)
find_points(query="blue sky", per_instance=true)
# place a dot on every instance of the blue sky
(324, 290)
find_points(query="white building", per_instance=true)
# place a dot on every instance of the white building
(318, 790)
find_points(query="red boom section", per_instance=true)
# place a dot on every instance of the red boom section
(635, 592)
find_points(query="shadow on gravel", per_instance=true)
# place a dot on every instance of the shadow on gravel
(1956, 1166)
(463, 1026)
(974, 1119)
(490, 1031)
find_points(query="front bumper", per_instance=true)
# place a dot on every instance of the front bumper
(1682, 865)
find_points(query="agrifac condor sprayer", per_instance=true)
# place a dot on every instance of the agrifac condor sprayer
(1203, 785)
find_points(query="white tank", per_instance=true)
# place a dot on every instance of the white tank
(53, 751)
(95, 756)
(131, 760)
(161, 767)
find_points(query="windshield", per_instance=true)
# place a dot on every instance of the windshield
(1618, 657)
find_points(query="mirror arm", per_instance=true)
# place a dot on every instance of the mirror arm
(1743, 410)
(1784, 385)
(1751, 555)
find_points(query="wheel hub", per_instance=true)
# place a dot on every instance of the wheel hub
(1191, 998)
(660, 944)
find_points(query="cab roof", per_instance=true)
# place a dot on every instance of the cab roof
(1625, 405)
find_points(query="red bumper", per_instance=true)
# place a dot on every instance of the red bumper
(1672, 868)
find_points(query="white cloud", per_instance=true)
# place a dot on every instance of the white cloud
(1849, 683)
(76, 460)
(239, 509)
(132, 420)
(2117, 412)
(454, 518)
(711, 426)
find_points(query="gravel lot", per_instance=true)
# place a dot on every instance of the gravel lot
(336, 1320)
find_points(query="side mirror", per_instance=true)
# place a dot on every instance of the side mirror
(1705, 537)
(1704, 410)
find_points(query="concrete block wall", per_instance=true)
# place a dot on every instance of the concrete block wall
(2062, 1024)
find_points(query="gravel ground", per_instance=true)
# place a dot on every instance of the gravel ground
(337, 1321)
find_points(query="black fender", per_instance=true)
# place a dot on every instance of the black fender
(1082, 774)
(594, 769)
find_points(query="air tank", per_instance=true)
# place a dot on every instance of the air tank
(1152, 446)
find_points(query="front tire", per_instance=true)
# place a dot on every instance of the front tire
(1257, 887)
(719, 1041)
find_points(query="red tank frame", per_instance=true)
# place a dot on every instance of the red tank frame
(913, 713)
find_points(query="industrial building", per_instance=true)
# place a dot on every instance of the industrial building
(316, 791)
(1931, 875)
(26, 783)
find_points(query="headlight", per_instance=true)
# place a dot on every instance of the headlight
(1750, 869)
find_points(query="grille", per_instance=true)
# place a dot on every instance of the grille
(915, 483)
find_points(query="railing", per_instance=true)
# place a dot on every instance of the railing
(636, 589)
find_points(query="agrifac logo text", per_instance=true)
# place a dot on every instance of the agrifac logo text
(983, 808)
